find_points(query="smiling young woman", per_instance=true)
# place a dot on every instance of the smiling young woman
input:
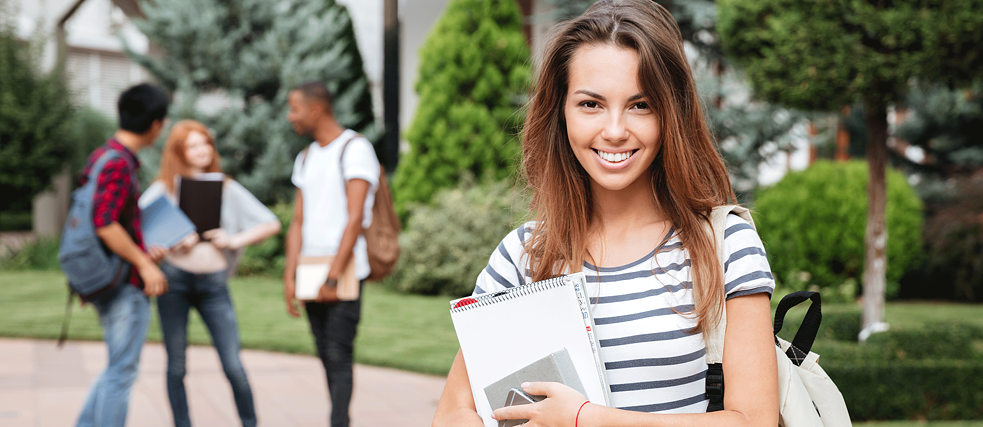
(623, 173)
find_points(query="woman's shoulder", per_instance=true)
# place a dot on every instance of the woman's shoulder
(739, 232)
(517, 237)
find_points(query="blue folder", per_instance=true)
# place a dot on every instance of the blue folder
(164, 224)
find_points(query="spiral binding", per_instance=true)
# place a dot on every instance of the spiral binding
(516, 292)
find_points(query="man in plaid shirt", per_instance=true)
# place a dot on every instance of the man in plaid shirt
(124, 311)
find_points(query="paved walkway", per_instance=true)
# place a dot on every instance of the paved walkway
(41, 386)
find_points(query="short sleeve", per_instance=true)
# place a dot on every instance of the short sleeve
(746, 270)
(297, 178)
(360, 161)
(506, 265)
(113, 188)
(249, 211)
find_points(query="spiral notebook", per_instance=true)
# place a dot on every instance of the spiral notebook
(501, 333)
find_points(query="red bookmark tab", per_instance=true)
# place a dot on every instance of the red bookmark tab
(464, 301)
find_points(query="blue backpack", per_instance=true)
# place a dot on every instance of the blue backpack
(91, 269)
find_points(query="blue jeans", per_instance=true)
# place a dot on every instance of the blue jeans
(208, 294)
(334, 327)
(124, 316)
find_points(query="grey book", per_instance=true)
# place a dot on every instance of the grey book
(556, 367)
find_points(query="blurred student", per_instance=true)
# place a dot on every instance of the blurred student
(198, 275)
(331, 208)
(124, 310)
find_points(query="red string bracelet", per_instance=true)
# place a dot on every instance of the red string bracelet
(577, 420)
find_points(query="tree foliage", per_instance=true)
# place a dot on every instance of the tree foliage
(474, 69)
(946, 124)
(34, 109)
(254, 52)
(820, 55)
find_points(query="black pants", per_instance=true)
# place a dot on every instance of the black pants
(334, 327)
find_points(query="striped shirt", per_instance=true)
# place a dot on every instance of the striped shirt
(653, 364)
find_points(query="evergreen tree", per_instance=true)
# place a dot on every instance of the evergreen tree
(255, 51)
(34, 110)
(946, 124)
(474, 69)
(821, 55)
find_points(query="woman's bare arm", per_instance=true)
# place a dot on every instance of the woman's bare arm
(456, 407)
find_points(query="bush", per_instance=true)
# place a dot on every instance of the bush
(88, 128)
(813, 222)
(474, 69)
(930, 372)
(269, 256)
(919, 389)
(40, 254)
(445, 246)
(940, 340)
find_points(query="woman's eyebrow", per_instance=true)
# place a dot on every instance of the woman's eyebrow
(634, 97)
(590, 94)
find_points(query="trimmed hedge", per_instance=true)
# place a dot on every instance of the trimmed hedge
(913, 389)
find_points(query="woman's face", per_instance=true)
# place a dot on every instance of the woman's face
(198, 152)
(612, 127)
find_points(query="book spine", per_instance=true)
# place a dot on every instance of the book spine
(584, 303)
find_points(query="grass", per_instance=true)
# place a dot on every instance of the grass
(401, 331)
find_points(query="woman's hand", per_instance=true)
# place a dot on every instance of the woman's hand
(559, 409)
(220, 239)
(156, 252)
(185, 245)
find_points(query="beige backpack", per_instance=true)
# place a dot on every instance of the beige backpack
(807, 397)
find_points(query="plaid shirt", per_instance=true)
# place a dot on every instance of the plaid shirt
(116, 195)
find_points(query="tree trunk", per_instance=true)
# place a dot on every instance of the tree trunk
(875, 261)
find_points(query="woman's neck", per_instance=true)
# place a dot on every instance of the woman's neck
(631, 207)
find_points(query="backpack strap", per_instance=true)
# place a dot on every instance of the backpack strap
(713, 335)
(341, 163)
(93, 180)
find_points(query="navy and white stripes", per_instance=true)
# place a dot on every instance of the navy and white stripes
(642, 314)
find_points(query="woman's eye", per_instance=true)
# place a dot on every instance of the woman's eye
(588, 104)
(641, 106)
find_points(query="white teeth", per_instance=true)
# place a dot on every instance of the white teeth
(614, 157)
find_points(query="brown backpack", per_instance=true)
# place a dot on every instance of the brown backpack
(382, 235)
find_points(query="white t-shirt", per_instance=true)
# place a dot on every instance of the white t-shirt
(318, 176)
(652, 362)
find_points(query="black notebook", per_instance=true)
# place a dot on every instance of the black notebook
(200, 198)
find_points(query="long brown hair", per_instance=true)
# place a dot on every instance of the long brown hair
(689, 177)
(173, 162)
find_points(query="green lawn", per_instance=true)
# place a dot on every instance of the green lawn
(401, 331)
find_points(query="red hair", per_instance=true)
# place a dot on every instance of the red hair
(173, 162)
(689, 177)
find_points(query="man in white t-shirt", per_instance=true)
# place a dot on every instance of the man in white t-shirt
(336, 179)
